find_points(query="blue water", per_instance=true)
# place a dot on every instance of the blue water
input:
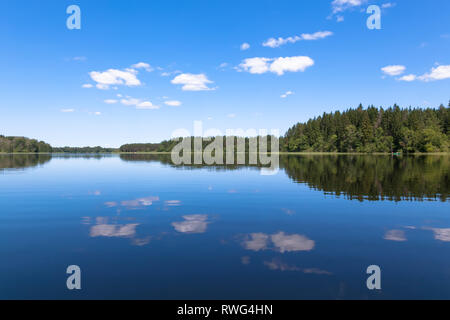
(145, 229)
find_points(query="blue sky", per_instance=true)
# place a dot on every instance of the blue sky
(151, 67)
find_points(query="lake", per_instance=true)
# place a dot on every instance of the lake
(140, 227)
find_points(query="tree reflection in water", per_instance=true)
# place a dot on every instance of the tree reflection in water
(356, 177)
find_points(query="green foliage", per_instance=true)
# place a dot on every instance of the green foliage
(355, 130)
(167, 145)
(23, 145)
(164, 146)
(84, 150)
(373, 130)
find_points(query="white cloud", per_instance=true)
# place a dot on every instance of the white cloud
(105, 79)
(342, 5)
(138, 103)
(339, 18)
(193, 82)
(223, 66)
(173, 103)
(67, 110)
(87, 86)
(255, 65)
(110, 101)
(408, 78)
(169, 73)
(285, 95)
(80, 58)
(394, 70)
(291, 64)
(276, 65)
(245, 46)
(274, 43)
(316, 36)
(387, 5)
(97, 113)
(142, 65)
(231, 115)
(438, 73)
(146, 105)
(102, 86)
(130, 101)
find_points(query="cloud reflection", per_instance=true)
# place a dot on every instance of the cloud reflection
(294, 242)
(257, 241)
(103, 228)
(245, 260)
(395, 235)
(195, 223)
(172, 203)
(113, 230)
(279, 265)
(282, 242)
(133, 204)
(441, 234)
(141, 242)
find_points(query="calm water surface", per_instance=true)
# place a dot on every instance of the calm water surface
(140, 227)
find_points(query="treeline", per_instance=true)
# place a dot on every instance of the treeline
(355, 130)
(22, 144)
(26, 145)
(164, 146)
(372, 130)
(84, 150)
(167, 145)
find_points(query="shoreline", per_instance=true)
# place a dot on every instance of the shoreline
(280, 153)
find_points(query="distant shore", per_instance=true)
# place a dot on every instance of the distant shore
(280, 153)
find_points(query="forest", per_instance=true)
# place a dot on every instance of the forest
(370, 130)
(21, 144)
(84, 150)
